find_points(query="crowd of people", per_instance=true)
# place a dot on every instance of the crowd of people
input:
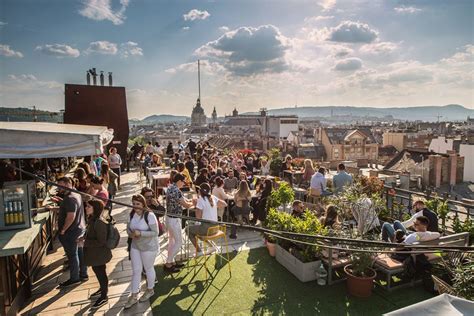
(225, 186)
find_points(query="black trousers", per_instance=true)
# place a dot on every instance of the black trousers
(101, 274)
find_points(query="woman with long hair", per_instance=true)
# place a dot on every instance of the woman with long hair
(206, 208)
(96, 252)
(110, 178)
(261, 204)
(81, 180)
(142, 230)
(219, 192)
(330, 218)
(100, 191)
(242, 199)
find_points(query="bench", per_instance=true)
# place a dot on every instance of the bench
(389, 267)
(334, 264)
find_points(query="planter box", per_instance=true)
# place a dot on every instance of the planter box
(305, 272)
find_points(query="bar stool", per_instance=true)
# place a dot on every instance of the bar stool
(214, 233)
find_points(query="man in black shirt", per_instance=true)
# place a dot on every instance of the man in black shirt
(71, 224)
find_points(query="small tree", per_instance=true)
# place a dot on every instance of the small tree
(276, 161)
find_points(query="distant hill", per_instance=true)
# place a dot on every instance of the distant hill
(29, 115)
(162, 118)
(451, 112)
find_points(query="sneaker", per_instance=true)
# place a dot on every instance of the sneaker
(95, 294)
(69, 283)
(100, 302)
(146, 296)
(172, 269)
(132, 300)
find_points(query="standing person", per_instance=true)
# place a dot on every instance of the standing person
(219, 192)
(206, 208)
(100, 191)
(261, 204)
(189, 164)
(264, 167)
(142, 229)
(192, 147)
(71, 224)
(342, 179)
(242, 207)
(91, 163)
(169, 150)
(149, 148)
(231, 182)
(115, 161)
(96, 253)
(110, 183)
(175, 201)
(203, 177)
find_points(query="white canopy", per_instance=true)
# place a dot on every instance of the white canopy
(51, 140)
(442, 305)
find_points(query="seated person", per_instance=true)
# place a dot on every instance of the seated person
(342, 179)
(330, 218)
(242, 206)
(202, 178)
(388, 230)
(260, 209)
(206, 208)
(421, 231)
(231, 182)
(318, 182)
(298, 209)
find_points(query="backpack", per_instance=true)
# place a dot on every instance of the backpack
(113, 235)
(161, 229)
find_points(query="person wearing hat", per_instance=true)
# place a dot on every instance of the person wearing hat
(206, 208)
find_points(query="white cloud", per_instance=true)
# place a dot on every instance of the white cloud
(100, 10)
(379, 48)
(28, 82)
(224, 29)
(407, 10)
(58, 50)
(249, 51)
(196, 14)
(2, 24)
(327, 4)
(352, 32)
(6, 51)
(319, 18)
(130, 49)
(102, 47)
(186, 28)
(207, 67)
(348, 64)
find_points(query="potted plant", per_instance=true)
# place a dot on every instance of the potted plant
(272, 222)
(360, 275)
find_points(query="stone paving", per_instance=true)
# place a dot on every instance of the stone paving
(48, 300)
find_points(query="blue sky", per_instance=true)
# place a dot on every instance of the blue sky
(254, 53)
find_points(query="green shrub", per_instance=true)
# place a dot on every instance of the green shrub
(282, 196)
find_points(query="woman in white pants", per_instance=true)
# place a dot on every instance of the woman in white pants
(175, 201)
(142, 230)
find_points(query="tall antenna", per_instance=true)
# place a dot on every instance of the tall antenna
(199, 80)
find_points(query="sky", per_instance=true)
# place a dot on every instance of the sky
(253, 54)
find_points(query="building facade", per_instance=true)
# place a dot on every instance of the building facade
(346, 144)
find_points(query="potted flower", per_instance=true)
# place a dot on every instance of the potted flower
(360, 275)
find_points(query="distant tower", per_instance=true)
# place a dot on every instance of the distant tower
(198, 117)
(235, 112)
(214, 116)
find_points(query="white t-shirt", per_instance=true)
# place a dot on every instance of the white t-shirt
(138, 222)
(208, 212)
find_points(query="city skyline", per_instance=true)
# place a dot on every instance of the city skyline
(266, 54)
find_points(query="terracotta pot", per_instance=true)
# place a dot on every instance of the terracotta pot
(271, 248)
(359, 286)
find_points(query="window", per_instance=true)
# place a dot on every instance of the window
(336, 150)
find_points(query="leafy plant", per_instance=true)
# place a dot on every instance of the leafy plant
(468, 226)
(276, 161)
(361, 264)
(457, 226)
(308, 224)
(463, 281)
(282, 196)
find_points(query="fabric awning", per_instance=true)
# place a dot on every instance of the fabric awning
(442, 305)
(19, 140)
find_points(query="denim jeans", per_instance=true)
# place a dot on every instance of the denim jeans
(75, 255)
(388, 230)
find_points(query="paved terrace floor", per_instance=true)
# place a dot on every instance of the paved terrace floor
(48, 300)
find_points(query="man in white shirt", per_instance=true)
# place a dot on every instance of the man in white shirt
(318, 182)
(422, 234)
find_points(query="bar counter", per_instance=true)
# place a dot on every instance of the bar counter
(21, 253)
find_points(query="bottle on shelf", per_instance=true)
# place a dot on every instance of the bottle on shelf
(21, 213)
(6, 215)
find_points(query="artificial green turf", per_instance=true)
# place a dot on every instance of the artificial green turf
(259, 285)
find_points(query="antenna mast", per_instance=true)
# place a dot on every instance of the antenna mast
(199, 80)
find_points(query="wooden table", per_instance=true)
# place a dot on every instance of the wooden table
(21, 253)
(159, 182)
